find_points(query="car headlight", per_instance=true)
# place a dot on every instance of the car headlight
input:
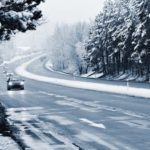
(22, 83)
(10, 83)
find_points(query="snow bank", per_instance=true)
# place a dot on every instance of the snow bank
(7, 143)
(92, 75)
(131, 91)
(96, 75)
(49, 66)
(88, 74)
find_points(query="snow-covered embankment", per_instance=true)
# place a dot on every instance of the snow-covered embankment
(131, 91)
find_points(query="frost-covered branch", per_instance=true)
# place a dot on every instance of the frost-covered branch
(18, 15)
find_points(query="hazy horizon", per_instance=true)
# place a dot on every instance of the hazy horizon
(71, 11)
(59, 12)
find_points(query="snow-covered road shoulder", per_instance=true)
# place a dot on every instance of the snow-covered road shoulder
(131, 91)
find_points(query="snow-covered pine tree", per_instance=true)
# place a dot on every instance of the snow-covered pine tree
(141, 54)
(119, 41)
(105, 39)
(18, 15)
(125, 29)
(94, 44)
(98, 46)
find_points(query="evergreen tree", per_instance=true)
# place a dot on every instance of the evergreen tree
(119, 41)
(141, 55)
(18, 15)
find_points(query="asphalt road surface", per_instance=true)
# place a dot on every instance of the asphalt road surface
(52, 117)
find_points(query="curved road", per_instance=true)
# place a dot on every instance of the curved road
(53, 117)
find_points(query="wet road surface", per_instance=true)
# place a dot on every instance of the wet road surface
(52, 117)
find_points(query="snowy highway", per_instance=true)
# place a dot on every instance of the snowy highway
(56, 117)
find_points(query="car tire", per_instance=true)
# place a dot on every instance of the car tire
(8, 89)
(22, 88)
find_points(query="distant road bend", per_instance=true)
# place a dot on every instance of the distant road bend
(56, 117)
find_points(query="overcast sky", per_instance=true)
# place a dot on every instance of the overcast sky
(70, 11)
(60, 11)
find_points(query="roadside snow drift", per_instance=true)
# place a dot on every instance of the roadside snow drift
(131, 91)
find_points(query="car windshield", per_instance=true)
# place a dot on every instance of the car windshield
(15, 79)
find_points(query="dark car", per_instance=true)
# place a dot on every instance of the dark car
(15, 84)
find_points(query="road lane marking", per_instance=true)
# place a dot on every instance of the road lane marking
(53, 94)
(96, 107)
(75, 105)
(73, 102)
(93, 124)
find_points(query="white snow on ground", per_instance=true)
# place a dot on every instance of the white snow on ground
(96, 75)
(49, 66)
(7, 144)
(92, 74)
(139, 92)
(98, 125)
(88, 74)
(124, 76)
(39, 139)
